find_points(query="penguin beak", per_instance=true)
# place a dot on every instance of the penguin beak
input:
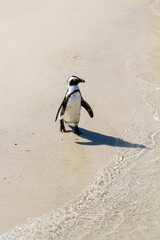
(81, 80)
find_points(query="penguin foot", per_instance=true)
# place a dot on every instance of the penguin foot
(62, 127)
(77, 131)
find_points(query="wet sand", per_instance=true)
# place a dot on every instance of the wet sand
(114, 47)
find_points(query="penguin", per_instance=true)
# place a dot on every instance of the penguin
(70, 108)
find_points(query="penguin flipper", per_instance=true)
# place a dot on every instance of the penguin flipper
(87, 107)
(63, 106)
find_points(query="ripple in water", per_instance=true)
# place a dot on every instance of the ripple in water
(156, 6)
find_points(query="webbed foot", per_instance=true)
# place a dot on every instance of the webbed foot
(62, 126)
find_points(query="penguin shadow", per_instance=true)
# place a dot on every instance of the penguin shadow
(101, 139)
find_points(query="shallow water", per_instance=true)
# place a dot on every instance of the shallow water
(123, 200)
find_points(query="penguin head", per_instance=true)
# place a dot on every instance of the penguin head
(74, 81)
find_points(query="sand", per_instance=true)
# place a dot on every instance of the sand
(109, 44)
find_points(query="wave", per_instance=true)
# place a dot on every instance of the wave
(156, 6)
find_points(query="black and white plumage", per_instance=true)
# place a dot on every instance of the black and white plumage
(69, 110)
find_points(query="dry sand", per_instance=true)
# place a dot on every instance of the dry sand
(42, 44)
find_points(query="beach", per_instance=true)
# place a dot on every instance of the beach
(103, 184)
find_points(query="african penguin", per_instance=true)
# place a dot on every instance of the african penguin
(71, 105)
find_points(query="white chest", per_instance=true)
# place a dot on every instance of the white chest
(72, 113)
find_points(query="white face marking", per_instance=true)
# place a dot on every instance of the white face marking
(70, 79)
(72, 88)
